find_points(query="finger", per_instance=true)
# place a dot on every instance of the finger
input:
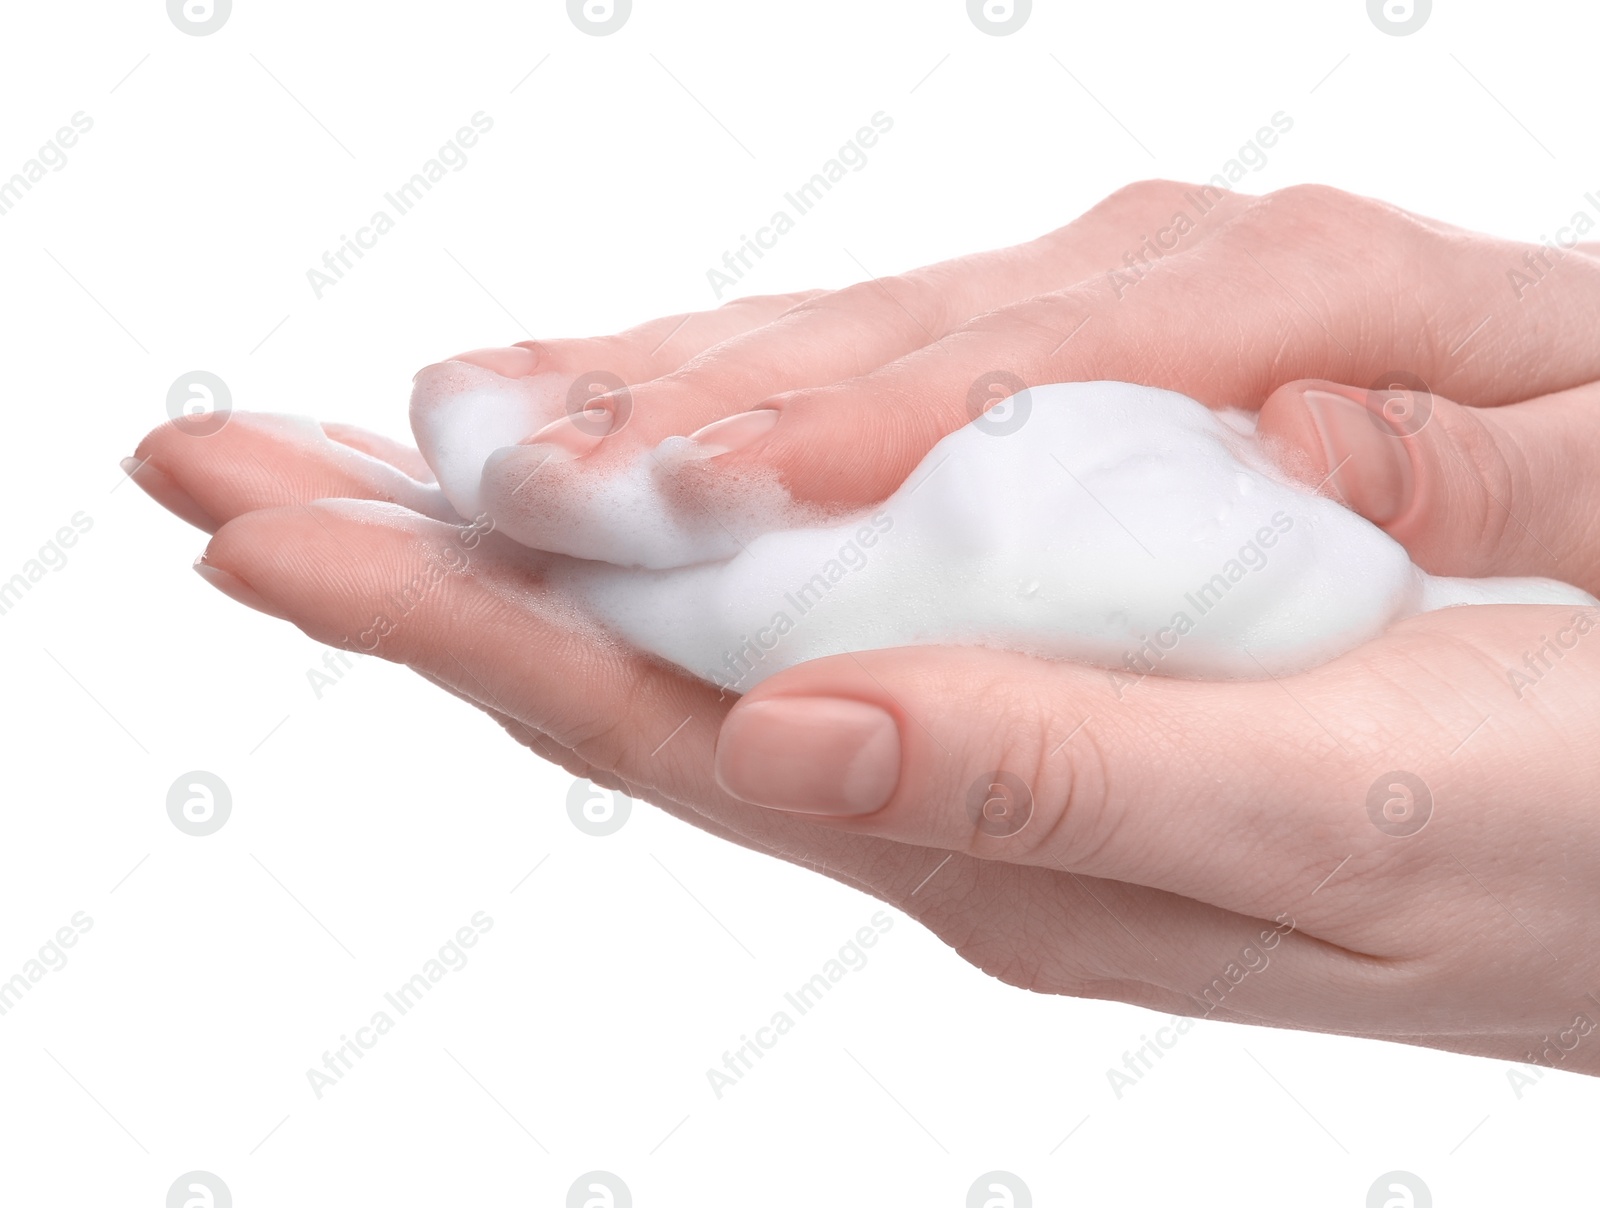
(538, 489)
(1010, 758)
(644, 351)
(1245, 795)
(467, 607)
(1468, 491)
(372, 577)
(464, 408)
(258, 460)
(846, 332)
(402, 457)
(469, 615)
(1271, 296)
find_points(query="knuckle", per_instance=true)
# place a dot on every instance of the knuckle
(912, 305)
(766, 307)
(1144, 206)
(1312, 198)
(1489, 482)
(614, 354)
(1053, 314)
(1141, 194)
(1313, 209)
(1064, 785)
(1074, 817)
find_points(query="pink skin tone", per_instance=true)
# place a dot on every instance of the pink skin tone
(1196, 817)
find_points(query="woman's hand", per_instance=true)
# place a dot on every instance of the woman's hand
(1171, 827)
(1411, 827)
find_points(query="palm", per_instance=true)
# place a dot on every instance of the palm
(496, 638)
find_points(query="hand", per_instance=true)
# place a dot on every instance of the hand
(907, 359)
(1091, 897)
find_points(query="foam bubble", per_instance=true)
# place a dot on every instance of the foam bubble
(635, 515)
(461, 413)
(1121, 526)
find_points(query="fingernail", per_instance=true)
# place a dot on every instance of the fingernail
(515, 361)
(810, 755)
(1368, 463)
(229, 584)
(573, 435)
(157, 484)
(736, 432)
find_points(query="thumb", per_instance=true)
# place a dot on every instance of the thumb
(1027, 761)
(1469, 491)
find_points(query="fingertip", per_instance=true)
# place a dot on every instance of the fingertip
(155, 482)
(235, 587)
(574, 435)
(1284, 423)
(517, 360)
(238, 545)
(327, 564)
(735, 433)
(838, 446)
(1328, 436)
(819, 755)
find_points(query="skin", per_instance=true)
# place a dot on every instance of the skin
(1173, 825)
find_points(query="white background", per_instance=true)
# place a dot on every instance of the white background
(371, 823)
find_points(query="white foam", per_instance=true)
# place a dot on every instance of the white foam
(461, 413)
(1119, 525)
(632, 515)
